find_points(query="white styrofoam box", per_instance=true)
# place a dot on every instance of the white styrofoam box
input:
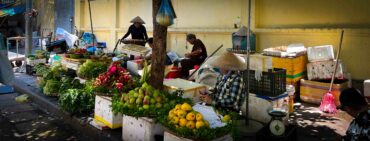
(259, 106)
(324, 70)
(103, 112)
(367, 88)
(71, 65)
(140, 129)
(260, 63)
(133, 66)
(320, 53)
(171, 137)
(35, 61)
(191, 89)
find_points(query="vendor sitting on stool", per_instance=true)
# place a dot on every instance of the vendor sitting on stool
(137, 31)
(148, 56)
(196, 57)
(229, 91)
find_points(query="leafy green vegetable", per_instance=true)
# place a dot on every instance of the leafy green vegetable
(51, 88)
(91, 70)
(41, 69)
(78, 100)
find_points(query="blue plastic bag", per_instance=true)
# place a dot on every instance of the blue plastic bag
(166, 14)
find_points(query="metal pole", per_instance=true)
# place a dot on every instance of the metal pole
(28, 28)
(91, 24)
(248, 54)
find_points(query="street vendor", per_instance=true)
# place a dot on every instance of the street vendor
(354, 103)
(228, 92)
(137, 31)
(148, 56)
(196, 57)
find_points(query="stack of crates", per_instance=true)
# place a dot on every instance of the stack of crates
(295, 69)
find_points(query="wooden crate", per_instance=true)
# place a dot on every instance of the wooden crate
(140, 129)
(312, 91)
(103, 112)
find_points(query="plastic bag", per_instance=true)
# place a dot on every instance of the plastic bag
(63, 34)
(166, 14)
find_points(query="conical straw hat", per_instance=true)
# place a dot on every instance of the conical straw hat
(137, 20)
(229, 61)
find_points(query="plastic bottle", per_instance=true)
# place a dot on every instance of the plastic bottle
(291, 90)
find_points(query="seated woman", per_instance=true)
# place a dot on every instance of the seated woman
(229, 91)
(196, 57)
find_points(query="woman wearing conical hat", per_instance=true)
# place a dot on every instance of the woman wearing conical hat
(228, 92)
(137, 30)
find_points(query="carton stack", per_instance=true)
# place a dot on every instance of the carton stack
(319, 72)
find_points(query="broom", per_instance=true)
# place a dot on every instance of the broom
(327, 103)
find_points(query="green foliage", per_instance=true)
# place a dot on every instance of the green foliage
(77, 100)
(91, 70)
(41, 69)
(69, 83)
(51, 88)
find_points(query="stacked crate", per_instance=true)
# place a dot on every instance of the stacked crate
(295, 68)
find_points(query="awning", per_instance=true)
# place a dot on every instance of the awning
(12, 9)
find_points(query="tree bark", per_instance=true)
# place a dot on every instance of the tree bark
(159, 50)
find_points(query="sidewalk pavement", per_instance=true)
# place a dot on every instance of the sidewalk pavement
(25, 121)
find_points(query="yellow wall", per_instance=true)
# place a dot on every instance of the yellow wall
(276, 22)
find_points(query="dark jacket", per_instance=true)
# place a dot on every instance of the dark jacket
(136, 33)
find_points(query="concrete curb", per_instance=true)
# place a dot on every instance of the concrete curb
(78, 124)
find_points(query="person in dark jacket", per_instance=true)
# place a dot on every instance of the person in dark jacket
(355, 104)
(137, 31)
(196, 57)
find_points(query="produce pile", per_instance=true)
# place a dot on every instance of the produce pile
(115, 79)
(145, 101)
(184, 116)
(184, 121)
(39, 54)
(91, 70)
(78, 100)
(78, 53)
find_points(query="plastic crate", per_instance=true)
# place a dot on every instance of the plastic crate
(295, 67)
(272, 83)
(29, 70)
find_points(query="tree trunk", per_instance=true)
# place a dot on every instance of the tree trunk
(159, 50)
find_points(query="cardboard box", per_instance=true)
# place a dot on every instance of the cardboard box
(312, 91)
(103, 112)
(259, 106)
(191, 89)
(140, 129)
(171, 137)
